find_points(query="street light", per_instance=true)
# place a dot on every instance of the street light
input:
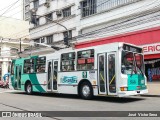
(34, 21)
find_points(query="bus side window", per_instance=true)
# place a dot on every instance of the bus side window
(29, 66)
(68, 61)
(40, 64)
(85, 60)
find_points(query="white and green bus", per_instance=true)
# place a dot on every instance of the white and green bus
(115, 69)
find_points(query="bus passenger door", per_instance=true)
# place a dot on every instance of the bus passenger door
(18, 77)
(102, 74)
(52, 75)
(111, 73)
(107, 73)
(55, 75)
(49, 75)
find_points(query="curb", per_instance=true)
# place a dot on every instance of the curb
(150, 95)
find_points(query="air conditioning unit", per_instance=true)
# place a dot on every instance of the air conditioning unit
(59, 13)
(47, 3)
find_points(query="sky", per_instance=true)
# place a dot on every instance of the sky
(15, 11)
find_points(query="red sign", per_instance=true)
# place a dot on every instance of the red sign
(90, 60)
(151, 49)
(81, 61)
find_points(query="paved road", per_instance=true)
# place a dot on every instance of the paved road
(19, 101)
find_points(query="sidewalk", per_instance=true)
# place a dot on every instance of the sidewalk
(3, 90)
(153, 89)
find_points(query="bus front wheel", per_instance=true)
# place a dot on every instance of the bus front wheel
(86, 91)
(29, 88)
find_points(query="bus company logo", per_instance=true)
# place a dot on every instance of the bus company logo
(69, 80)
(132, 81)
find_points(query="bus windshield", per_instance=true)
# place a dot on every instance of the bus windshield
(132, 63)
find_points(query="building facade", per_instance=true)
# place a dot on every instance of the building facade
(48, 14)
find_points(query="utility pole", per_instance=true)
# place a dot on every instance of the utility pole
(20, 46)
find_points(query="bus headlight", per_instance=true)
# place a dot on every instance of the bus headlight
(123, 88)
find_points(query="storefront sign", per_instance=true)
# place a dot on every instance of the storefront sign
(153, 74)
(151, 48)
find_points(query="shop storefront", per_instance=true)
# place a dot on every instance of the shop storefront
(152, 61)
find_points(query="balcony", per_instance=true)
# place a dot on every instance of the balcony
(90, 7)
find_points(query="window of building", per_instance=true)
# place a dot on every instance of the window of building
(27, 15)
(49, 17)
(37, 41)
(29, 66)
(27, 2)
(37, 22)
(42, 40)
(88, 7)
(68, 61)
(85, 60)
(49, 39)
(66, 12)
(36, 3)
(69, 34)
(27, 8)
(40, 64)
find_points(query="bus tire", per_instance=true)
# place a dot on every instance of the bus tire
(86, 91)
(29, 88)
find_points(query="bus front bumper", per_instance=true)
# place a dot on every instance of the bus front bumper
(129, 93)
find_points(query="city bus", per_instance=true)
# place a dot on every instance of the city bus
(114, 69)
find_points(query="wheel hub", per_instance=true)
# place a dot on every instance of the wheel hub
(29, 88)
(86, 90)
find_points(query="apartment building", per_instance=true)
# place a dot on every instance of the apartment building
(48, 13)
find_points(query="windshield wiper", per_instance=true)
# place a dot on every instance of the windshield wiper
(132, 70)
(140, 69)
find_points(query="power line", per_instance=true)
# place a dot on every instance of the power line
(15, 7)
(10, 7)
(72, 11)
(99, 19)
(95, 20)
(12, 16)
(7, 7)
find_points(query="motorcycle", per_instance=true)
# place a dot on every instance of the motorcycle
(4, 84)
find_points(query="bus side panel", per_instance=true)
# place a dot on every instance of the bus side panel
(37, 81)
(42, 81)
(68, 81)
